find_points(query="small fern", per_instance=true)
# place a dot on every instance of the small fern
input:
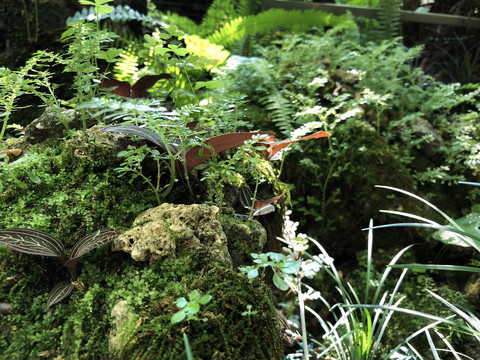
(281, 111)
(388, 19)
(127, 68)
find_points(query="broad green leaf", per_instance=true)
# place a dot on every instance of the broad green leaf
(59, 292)
(181, 302)
(252, 273)
(205, 299)
(468, 223)
(33, 177)
(280, 283)
(194, 295)
(32, 242)
(192, 307)
(178, 317)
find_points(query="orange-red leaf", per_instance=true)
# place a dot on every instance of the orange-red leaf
(199, 154)
(276, 146)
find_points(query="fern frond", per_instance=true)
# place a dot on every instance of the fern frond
(281, 111)
(218, 12)
(127, 68)
(187, 25)
(247, 7)
(388, 19)
(263, 23)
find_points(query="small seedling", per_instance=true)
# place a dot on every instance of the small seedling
(37, 242)
(189, 309)
(249, 311)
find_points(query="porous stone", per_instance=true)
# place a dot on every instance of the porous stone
(49, 126)
(120, 314)
(160, 231)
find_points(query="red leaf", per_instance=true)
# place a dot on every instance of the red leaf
(261, 203)
(199, 154)
(123, 88)
(275, 147)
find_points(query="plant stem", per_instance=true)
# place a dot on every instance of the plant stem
(301, 303)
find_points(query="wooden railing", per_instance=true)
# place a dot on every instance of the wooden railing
(369, 12)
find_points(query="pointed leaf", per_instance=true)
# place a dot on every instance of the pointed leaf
(92, 241)
(146, 82)
(277, 146)
(264, 210)
(32, 242)
(142, 133)
(59, 292)
(262, 203)
(280, 283)
(219, 143)
(123, 88)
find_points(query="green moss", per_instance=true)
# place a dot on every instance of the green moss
(79, 328)
(71, 197)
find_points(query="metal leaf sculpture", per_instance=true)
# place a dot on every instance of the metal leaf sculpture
(123, 88)
(33, 242)
(37, 242)
(59, 292)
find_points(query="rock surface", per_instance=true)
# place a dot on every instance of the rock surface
(48, 125)
(159, 231)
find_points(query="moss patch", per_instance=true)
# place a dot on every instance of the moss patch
(80, 327)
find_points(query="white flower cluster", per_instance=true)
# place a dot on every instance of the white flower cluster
(306, 129)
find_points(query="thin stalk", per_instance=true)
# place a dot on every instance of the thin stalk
(301, 303)
(252, 207)
(27, 21)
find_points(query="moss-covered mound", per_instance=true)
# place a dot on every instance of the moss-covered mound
(92, 325)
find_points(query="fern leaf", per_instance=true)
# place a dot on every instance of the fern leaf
(281, 111)
(388, 19)
(263, 23)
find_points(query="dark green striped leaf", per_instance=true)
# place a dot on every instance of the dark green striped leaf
(92, 241)
(32, 242)
(141, 133)
(59, 292)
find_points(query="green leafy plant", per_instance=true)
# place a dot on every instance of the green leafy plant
(190, 308)
(37, 242)
(134, 157)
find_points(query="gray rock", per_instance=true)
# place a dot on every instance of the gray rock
(49, 126)
(158, 232)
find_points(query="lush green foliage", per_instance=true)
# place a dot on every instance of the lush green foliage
(369, 96)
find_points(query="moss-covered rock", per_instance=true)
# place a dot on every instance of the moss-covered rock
(158, 231)
(122, 310)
